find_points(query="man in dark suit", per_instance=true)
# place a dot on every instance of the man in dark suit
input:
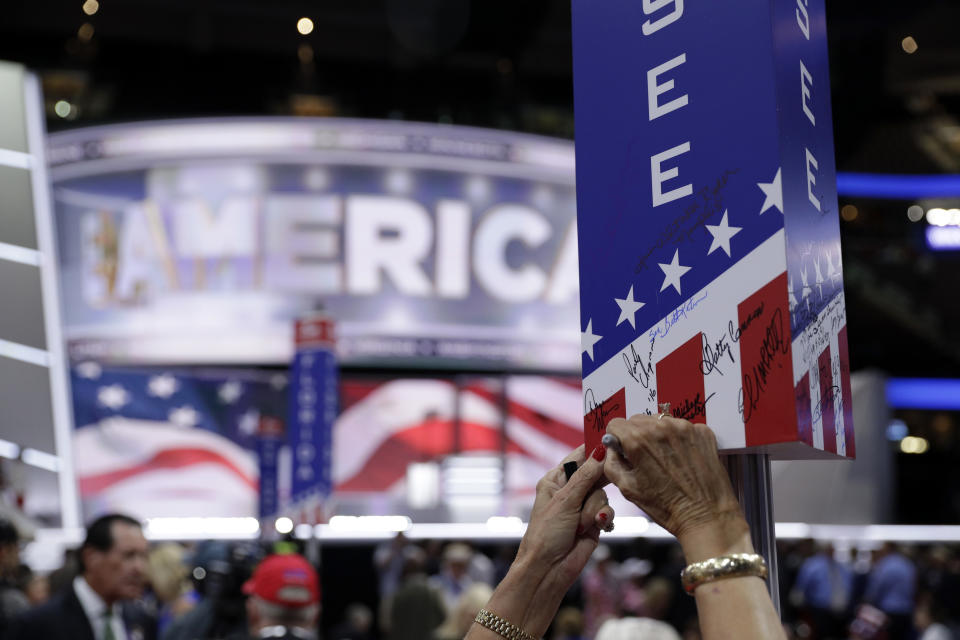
(98, 604)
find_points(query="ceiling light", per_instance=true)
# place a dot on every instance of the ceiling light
(909, 44)
(90, 7)
(85, 32)
(915, 213)
(849, 212)
(304, 26)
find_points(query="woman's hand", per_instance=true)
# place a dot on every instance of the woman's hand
(671, 470)
(565, 524)
(567, 517)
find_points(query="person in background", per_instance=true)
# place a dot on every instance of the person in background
(929, 620)
(568, 625)
(601, 590)
(416, 608)
(37, 589)
(636, 629)
(357, 624)
(822, 593)
(464, 611)
(13, 601)
(168, 573)
(891, 588)
(283, 598)
(99, 604)
(454, 577)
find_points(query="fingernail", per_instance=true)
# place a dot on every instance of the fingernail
(602, 516)
(599, 453)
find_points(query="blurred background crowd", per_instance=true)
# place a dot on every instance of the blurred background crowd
(403, 589)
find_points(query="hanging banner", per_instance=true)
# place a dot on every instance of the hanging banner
(710, 268)
(269, 442)
(313, 409)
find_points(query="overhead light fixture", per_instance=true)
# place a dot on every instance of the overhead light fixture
(909, 44)
(283, 525)
(915, 213)
(90, 7)
(304, 26)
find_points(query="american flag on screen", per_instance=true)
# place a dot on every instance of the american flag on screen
(170, 443)
(181, 443)
(761, 360)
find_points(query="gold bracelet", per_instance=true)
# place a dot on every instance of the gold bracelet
(495, 623)
(734, 565)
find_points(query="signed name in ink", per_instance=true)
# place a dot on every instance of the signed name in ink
(640, 369)
(695, 408)
(774, 344)
(597, 414)
(713, 353)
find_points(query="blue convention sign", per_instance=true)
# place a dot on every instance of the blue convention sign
(313, 409)
(268, 455)
(710, 272)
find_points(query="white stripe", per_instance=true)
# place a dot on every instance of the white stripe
(16, 253)
(816, 418)
(23, 353)
(17, 159)
(838, 398)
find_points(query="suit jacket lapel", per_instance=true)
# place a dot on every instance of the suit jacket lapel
(79, 626)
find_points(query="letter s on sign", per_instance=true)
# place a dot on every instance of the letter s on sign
(651, 6)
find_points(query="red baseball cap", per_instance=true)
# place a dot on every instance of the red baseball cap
(284, 579)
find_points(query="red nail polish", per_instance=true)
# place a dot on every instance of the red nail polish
(602, 516)
(599, 453)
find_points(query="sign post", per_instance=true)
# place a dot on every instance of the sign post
(710, 267)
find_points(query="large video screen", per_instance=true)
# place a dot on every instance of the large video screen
(199, 242)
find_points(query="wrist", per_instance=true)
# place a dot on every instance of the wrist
(726, 533)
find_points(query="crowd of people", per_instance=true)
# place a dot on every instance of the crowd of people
(560, 583)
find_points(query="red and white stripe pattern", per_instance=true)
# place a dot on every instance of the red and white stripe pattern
(157, 469)
(395, 423)
(726, 358)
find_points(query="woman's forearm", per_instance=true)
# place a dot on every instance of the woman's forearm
(731, 608)
(522, 598)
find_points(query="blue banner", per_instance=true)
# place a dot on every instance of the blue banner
(268, 454)
(313, 409)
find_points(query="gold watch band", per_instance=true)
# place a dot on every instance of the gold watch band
(734, 565)
(506, 629)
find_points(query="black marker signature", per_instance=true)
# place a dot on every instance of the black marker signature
(639, 370)
(712, 354)
(597, 411)
(707, 204)
(690, 409)
(755, 382)
(737, 331)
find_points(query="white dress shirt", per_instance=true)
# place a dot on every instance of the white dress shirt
(95, 608)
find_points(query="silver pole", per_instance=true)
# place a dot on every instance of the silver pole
(750, 476)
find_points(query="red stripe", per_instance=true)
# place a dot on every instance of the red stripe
(827, 398)
(847, 399)
(767, 396)
(388, 463)
(680, 381)
(804, 417)
(166, 459)
(595, 422)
